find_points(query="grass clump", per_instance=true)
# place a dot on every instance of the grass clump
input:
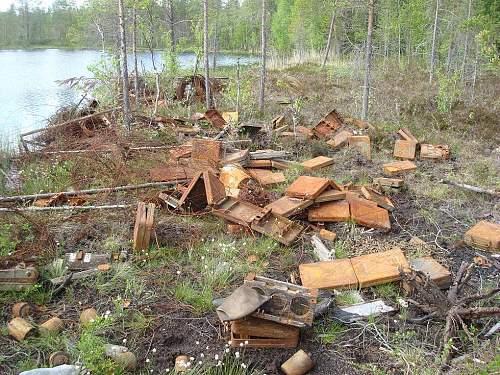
(329, 333)
(197, 296)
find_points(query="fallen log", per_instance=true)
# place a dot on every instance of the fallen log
(64, 208)
(475, 189)
(72, 121)
(20, 198)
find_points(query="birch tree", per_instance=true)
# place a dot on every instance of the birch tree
(123, 64)
(263, 57)
(368, 60)
(434, 41)
(205, 53)
(329, 41)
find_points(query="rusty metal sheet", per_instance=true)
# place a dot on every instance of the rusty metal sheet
(317, 163)
(277, 227)
(169, 172)
(194, 198)
(261, 333)
(333, 274)
(286, 206)
(214, 188)
(206, 150)
(434, 151)
(379, 268)
(266, 177)
(233, 176)
(289, 303)
(307, 187)
(334, 211)
(238, 212)
(328, 125)
(215, 118)
(368, 215)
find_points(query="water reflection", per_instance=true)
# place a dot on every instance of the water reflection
(29, 94)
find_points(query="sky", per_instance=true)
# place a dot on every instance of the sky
(5, 4)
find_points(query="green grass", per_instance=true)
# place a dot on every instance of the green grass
(347, 297)
(329, 333)
(45, 177)
(197, 296)
(387, 291)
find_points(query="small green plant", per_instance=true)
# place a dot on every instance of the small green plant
(198, 297)
(327, 334)
(7, 243)
(448, 92)
(90, 348)
(389, 291)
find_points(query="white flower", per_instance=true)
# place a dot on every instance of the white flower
(167, 370)
(188, 364)
(208, 347)
(154, 350)
(229, 342)
(216, 357)
(246, 342)
(243, 365)
(200, 362)
(151, 371)
(147, 360)
(203, 257)
(191, 358)
(237, 354)
(124, 341)
(241, 344)
(107, 312)
(178, 272)
(219, 363)
(227, 350)
(202, 355)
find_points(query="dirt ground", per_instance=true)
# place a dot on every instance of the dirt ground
(160, 302)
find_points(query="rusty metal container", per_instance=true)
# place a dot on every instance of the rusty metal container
(21, 310)
(58, 358)
(298, 364)
(20, 329)
(88, 315)
(53, 325)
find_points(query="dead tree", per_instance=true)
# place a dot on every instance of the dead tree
(453, 307)
(205, 52)
(434, 42)
(123, 64)
(263, 56)
(329, 42)
(466, 43)
(170, 22)
(368, 60)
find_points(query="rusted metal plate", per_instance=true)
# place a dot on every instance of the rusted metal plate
(263, 163)
(435, 152)
(307, 187)
(330, 196)
(306, 132)
(328, 125)
(379, 268)
(370, 216)
(238, 212)
(435, 271)
(380, 199)
(334, 274)
(484, 235)
(405, 149)
(15, 279)
(207, 150)
(215, 118)
(233, 176)
(330, 212)
(289, 303)
(240, 157)
(169, 172)
(214, 188)
(287, 206)
(399, 167)
(406, 134)
(266, 177)
(339, 139)
(277, 227)
(194, 198)
(182, 151)
(317, 163)
(362, 144)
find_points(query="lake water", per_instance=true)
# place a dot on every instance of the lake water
(29, 93)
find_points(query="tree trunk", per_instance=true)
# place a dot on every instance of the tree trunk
(329, 42)
(466, 43)
(134, 51)
(214, 57)
(368, 60)
(263, 56)
(448, 59)
(433, 47)
(124, 69)
(205, 52)
(170, 22)
(238, 88)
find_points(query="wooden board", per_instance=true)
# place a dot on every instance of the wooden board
(317, 163)
(379, 268)
(367, 215)
(140, 226)
(399, 167)
(361, 143)
(266, 177)
(484, 235)
(405, 149)
(330, 212)
(287, 206)
(334, 274)
(307, 187)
